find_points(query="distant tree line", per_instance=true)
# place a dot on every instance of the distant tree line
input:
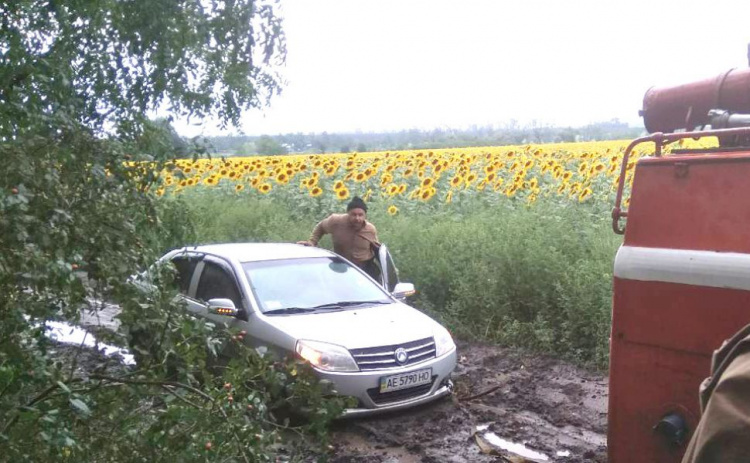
(511, 133)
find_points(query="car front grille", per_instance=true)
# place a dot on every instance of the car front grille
(384, 357)
(381, 398)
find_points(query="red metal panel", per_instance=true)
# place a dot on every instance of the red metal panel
(699, 202)
(663, 336)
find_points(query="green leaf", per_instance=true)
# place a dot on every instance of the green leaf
(80, 406)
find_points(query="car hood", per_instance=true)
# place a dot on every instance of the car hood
(357, 328)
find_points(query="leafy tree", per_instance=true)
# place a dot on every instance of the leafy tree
(79, 213)
(267, 146)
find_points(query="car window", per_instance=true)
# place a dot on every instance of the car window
(392, 273)
(215, 282)
(310, 282)
(185, 265)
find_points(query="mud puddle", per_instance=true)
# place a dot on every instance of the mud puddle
(504, 400)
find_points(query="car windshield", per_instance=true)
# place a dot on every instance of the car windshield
(311, 284)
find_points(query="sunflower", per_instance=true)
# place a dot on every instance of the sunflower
(239, 187)
(282, 178)
(360, 177)
(265, 188)
(342, 193)
(456, 181)
(427, 182)
(425, 194)
(316, 191)
(392, 190)
(338, 185)
(449, 196)
(392, 210)
(583, 168)
(584, 194)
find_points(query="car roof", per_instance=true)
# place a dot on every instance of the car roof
(253, 252)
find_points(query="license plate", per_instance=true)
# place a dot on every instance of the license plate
(405, 380)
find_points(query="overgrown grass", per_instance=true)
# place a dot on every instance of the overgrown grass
(537, 277)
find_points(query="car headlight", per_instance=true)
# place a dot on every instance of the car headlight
(443, 341)
(324, 356)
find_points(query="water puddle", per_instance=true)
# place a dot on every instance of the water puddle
(69, 334)
(497, 443)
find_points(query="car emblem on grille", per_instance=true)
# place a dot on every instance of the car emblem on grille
(401, 355)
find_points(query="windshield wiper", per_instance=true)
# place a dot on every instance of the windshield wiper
(286, 310)
(341, 304)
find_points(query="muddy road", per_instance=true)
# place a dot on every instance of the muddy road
(508, 405)
(526, 407)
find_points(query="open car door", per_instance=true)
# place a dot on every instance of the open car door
(388, 271)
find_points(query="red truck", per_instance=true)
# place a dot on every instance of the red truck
(682, 274)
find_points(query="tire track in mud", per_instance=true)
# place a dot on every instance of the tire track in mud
(558, 411)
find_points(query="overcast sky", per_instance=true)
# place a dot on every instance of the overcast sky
(399, 64)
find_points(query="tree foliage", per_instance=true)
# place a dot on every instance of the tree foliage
(78, 215)
(112, 61)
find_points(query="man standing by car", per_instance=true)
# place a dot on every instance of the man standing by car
(353, 236)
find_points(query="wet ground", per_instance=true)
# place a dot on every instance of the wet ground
(527, 408)
(508, 405)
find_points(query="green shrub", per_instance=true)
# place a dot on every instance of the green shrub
(537, 277)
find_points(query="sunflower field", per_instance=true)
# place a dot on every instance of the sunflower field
(409, 180)
(511, 245)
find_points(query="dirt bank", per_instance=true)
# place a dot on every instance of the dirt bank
(558, 411)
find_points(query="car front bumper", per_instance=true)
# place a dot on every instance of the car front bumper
(364, 386)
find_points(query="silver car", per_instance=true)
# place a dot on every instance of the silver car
(356, 332)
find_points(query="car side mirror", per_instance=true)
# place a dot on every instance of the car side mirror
(220, 306)
(403, 290)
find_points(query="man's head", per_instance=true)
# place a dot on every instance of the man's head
(357, 212)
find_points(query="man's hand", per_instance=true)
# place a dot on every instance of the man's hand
(305, 243)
